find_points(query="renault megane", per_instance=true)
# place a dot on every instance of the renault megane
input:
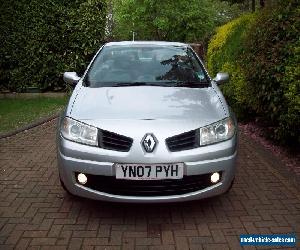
(146, 123)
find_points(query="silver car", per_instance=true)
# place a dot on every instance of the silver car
(146, 123)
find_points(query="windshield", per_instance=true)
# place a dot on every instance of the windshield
(146, 65)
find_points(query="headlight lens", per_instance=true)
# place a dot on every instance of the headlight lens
(79, 132)
(216, 132)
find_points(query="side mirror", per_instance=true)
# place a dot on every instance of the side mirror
(71, 78)
(221, 78)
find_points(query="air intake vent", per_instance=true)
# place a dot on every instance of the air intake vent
(111, 185)
(113, 141)
(185, 141)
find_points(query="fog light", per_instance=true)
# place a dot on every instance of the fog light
(215, 177)
(82, 179)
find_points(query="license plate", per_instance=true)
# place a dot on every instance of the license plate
(149, 171)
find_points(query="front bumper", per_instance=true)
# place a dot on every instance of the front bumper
(73, 157)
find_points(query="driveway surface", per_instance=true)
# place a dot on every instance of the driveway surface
(36, 213)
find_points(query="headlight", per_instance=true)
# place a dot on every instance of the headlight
(216, 132)
(79, 132)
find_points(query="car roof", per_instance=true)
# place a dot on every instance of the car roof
(162, 43)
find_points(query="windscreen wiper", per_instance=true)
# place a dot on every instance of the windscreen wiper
(192, 84)
(128, 84)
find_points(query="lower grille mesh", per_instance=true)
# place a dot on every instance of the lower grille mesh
(111, 185)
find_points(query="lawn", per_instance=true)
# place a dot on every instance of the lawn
(17, 112)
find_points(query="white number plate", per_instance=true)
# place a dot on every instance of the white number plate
(149, 171)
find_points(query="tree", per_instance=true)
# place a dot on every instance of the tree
(253, 3)
(185, 20)
(253, 6)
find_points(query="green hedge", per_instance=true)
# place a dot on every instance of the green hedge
(262, 54)
(223, 52)
(42, 39)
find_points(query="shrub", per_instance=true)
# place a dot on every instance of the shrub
(45, 38)
(224, 51)
(262, 54)
(271, 64)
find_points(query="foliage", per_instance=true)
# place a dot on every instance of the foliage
(45, 38)
(235, 1)
(186, 20)
(262, 54)
(17, 112)
(223, 51)
(272, 59)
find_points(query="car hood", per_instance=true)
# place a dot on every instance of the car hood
(198, 106)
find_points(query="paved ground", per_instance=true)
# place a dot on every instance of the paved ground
(36, 213)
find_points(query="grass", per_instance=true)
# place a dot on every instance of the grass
(17, 112)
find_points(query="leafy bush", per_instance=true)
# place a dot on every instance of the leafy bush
(223, 54)
(45, 38)
(262, 54)
(271, 63)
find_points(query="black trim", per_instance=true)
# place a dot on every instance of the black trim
(112, 141)
(111, 185)
(184, 141)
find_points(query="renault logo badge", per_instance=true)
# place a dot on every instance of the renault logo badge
(149, 142)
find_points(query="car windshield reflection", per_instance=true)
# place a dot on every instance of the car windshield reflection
(144, 65)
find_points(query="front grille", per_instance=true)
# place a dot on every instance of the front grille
(111, 185)
(113, 141)
(185, 141)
